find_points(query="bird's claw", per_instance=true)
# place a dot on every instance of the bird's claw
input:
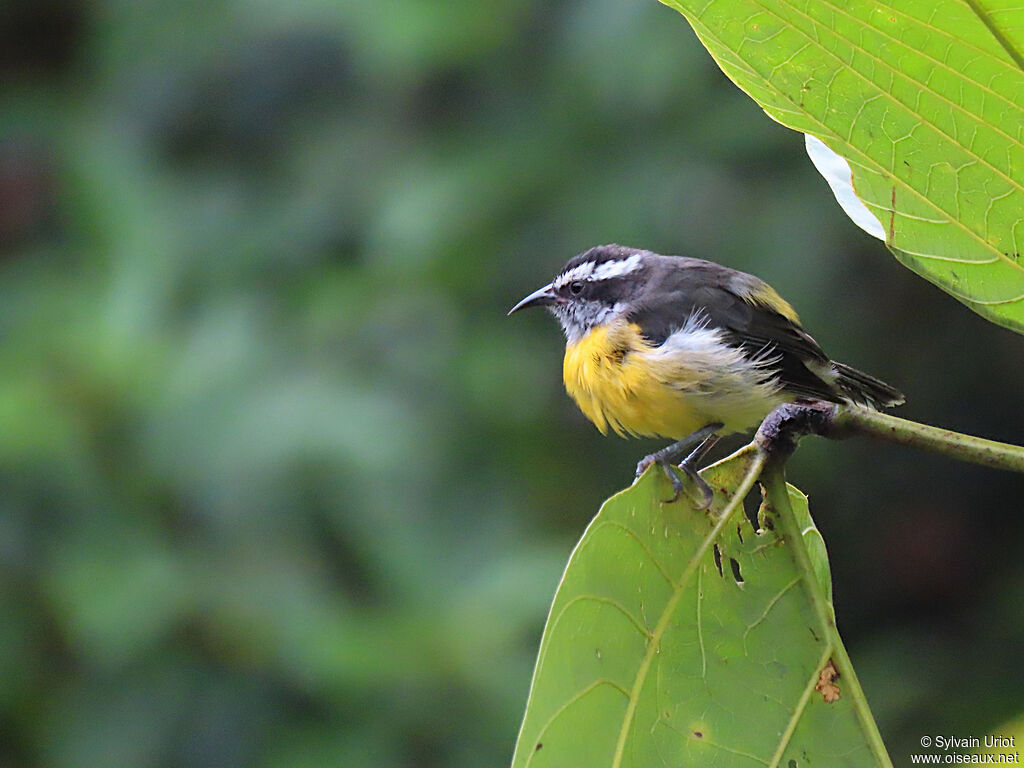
(668, 456)
(707, 495)
(643, 464)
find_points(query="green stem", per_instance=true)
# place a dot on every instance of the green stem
(977, 450)
(777, 493)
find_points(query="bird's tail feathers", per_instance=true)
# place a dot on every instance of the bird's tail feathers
(860, 388)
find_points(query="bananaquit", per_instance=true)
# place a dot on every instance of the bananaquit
(686, 349)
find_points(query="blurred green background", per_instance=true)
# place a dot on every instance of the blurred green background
(281, 485)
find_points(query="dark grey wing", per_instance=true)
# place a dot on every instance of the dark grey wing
(707, 290)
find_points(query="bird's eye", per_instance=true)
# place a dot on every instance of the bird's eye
(576, 287)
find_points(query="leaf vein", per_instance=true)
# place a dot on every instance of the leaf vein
(576, 697)
(632, 534)
(606, 601)
(866, 162)
(653, 647)
(768, 608)
(801, 705)
(930, 25)
(885, 94)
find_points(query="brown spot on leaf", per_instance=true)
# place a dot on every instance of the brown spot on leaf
(892, 218)
(537, 748)
(826, 685)
(698, 734)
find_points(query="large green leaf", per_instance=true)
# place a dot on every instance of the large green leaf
(677, 638)
(924, 98)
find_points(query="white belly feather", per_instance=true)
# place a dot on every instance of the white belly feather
(718, 380)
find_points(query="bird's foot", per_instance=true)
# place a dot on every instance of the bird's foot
(667, 457)
(677, 483)
(690, 470)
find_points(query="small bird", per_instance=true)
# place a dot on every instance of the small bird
(686, 349)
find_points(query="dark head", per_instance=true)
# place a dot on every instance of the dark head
(592, 288)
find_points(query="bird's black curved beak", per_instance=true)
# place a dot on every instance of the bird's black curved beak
(542, 297)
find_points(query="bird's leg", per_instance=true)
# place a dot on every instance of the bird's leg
(671, 454)
(668, 456)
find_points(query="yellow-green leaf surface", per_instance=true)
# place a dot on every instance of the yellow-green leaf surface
(924, 98)
(662, 649)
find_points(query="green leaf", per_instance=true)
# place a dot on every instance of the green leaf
(924, 98)
(813, 541)
(679, 637)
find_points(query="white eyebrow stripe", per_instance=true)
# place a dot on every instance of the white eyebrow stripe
(617, 268)
(579, 272)
(588, 271)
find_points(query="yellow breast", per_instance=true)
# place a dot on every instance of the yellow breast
(606, 374)
(620, 381)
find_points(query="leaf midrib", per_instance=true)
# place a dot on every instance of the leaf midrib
(801, 705)
(997, 33)
(750, 476)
